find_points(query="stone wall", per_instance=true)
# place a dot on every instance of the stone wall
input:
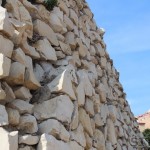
(59, 89)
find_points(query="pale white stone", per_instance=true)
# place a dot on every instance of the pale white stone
(85, 121)
(22, 93)
(78, 136)
(63, 83)
(21, 106)
(28, 139)
(55, 128)
(5, 64)
(6, 46)
(46, 51)
(3, 116)
(28, 123)
(60, 108)
(8, 140)
(45, 30)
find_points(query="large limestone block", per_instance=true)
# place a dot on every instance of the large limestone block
(28, 139)
(5, 25)
(8, 140)
(70, 39)
(19, 56)
(45, 30)
(63, 83)
(22, 106)
(55, 22)
(60, 108)
(13, 116)
(5, 64)
(30, 80)
(48, 142)
(22, 93)
(27, 49)
(69, 23)
(99, 140)
(46, 51)
(55, 128)
(111, 134)
(74, 17)
(6, 46)
(28, 124)
(65, 48)
(3, 116)
(16, 74)
(88, 89)
(85, 121)
(78, 136)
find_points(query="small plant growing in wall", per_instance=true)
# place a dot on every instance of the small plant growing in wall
(49, 4)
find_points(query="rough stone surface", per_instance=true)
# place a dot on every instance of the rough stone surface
(59, 89)
(59, 107)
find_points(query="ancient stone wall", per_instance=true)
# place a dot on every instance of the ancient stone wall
(59, 89)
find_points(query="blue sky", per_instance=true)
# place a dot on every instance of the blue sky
(127, 25)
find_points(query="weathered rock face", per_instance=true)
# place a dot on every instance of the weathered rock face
(59, 89)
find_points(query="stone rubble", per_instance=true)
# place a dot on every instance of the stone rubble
(59, 89)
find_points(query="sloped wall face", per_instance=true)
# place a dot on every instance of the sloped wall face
(58, 87)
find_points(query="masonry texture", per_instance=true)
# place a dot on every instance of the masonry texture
(59, 89)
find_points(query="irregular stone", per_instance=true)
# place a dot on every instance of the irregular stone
(48, 142)
(60, 55)
(13, 116)
(108, 146)
(30, 79)
(8, 140)
(28, 139)
(55, 23)
(62, 5)
(59, 107)
(89, 107)
(19, 56)
(75, 117)
(78, 136)
(70, 39)
(22, 93)
(80, 94)
(10, 96)
(5, 25)
(28, 124)
(69, 23)
(98, 120)
(38, 72)
(99, 141)
(25, 148)
(44, 30)
(88, 89)
(88, 141)
(5, 64)
(112, 112)
(101, 90)
(29, 50)
(46, 51)
(85, 121)
(65, 48)
(55, 128)
(16, 74)
(111, 135)
(3, 116)
(6, 49)
(74, 17)
(22, 106)
(63, 83)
